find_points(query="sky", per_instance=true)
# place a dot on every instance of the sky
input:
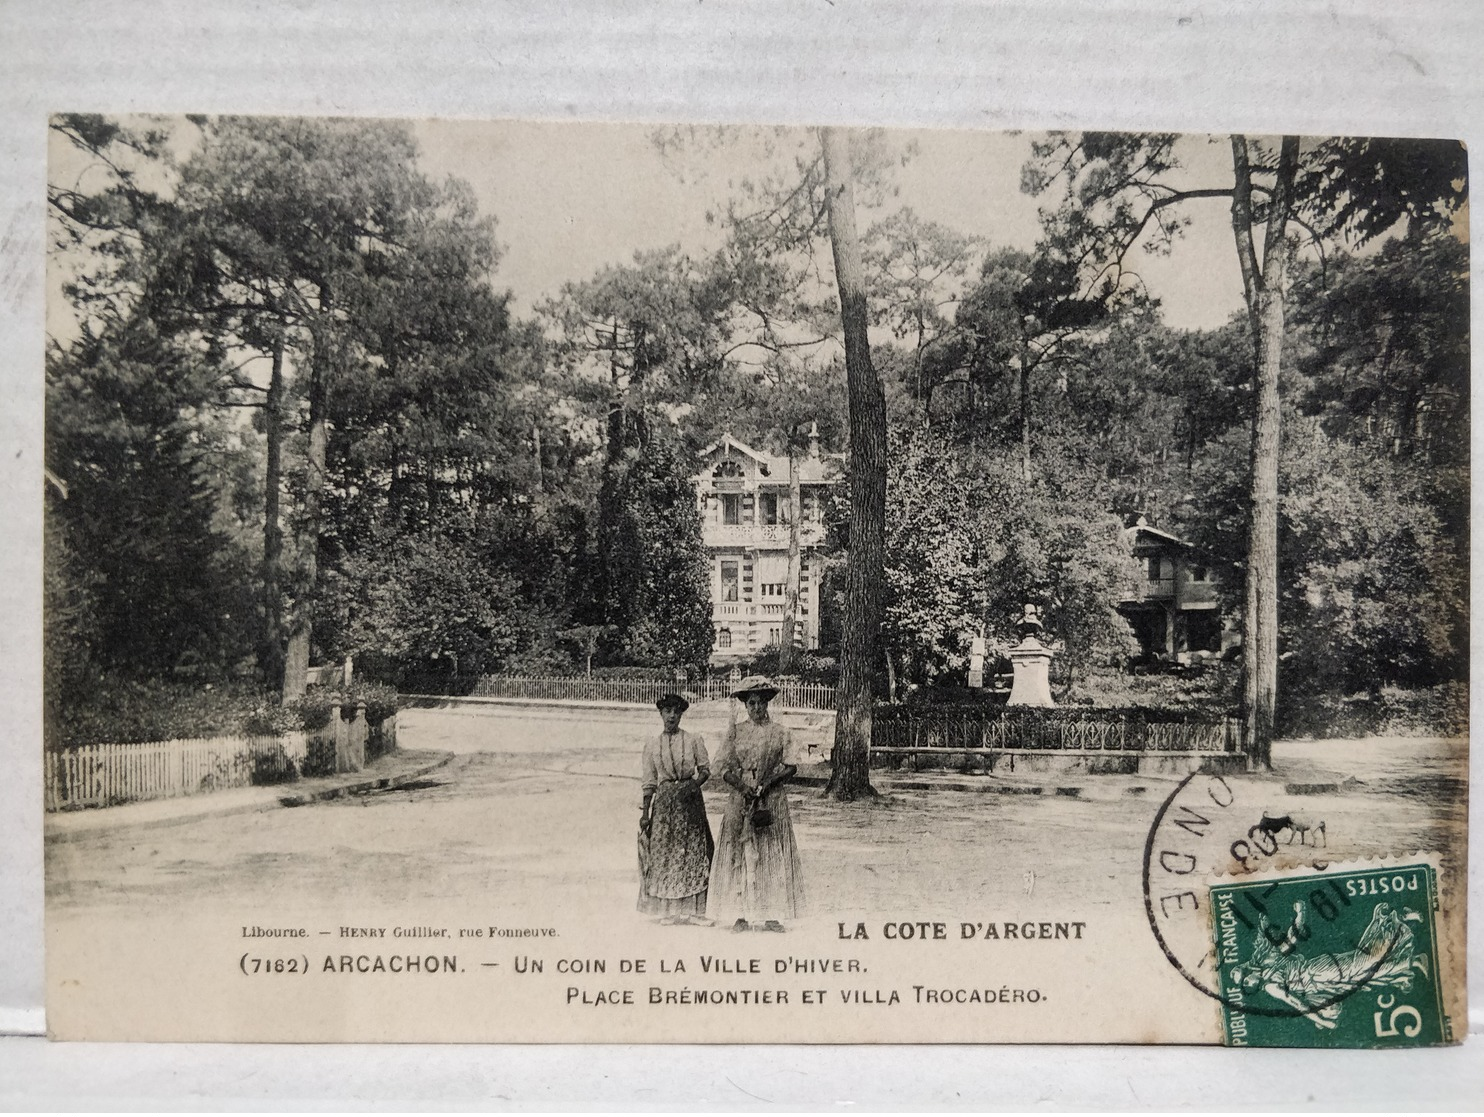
(570, 198)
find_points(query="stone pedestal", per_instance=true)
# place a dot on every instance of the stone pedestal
(1032, 687)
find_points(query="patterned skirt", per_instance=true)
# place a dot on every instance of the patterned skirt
(675, 855)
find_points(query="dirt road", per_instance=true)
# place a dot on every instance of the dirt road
(548, 801)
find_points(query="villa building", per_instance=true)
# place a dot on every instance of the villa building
(743, 497)
(1177, 611)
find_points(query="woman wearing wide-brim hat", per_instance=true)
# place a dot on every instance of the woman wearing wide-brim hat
(675, 844)
(755, 877)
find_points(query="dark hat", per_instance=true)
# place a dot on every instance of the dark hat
(671, 699)
(755, 684)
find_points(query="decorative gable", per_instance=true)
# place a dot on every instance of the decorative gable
(730, 462)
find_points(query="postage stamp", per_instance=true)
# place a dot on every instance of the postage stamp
(1342, 958)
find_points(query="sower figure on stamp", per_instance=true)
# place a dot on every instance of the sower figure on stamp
(675, 844)
(1317, 986)
(755, 880)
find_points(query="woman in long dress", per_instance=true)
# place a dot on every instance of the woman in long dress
(675, 844)
(755, 877)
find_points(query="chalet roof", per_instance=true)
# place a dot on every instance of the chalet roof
(1156, 536)
(727, 442)
(812, 470)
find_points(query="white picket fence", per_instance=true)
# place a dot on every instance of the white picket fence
(791, 695)
(103, 775)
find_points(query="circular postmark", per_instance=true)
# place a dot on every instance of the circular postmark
(1273, 953)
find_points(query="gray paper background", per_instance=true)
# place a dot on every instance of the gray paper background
(1365, 66)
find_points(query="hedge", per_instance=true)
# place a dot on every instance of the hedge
(129, 711)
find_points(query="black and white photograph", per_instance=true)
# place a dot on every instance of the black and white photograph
(519, 581)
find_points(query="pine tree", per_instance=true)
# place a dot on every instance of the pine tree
(659, 586)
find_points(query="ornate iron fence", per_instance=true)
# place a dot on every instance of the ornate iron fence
(1058, 730)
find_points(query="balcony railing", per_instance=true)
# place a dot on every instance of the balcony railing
(758, 535)
(1184, 591)
(746, 611)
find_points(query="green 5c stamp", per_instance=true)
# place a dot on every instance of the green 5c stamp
(1342, 958)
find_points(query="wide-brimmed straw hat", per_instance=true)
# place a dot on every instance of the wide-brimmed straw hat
(672, 699)
(756, 684)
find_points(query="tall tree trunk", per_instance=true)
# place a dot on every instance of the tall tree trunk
(1025, 406)
(536, 455)
(851, 777)
(610, 611)
(296, 659)
(917, 357)
(270, 654)
(615, 405)
(1264, 288)
(792, 577)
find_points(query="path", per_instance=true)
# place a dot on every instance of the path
(545, 801)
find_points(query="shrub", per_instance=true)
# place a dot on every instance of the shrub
(435, 683)
(541, 661)
(766, 661)
(932, 697)
(817, 669)
(810, 667)
(271, 719)
(314, 708)
(807, 667)
(1216, 686)
(379, 700)
(125, 711)
(1440, 711)
(1443, 710)
(131, 711)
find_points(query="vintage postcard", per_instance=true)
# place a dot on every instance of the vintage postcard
(533, 582)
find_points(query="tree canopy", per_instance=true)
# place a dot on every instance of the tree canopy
(298, 419)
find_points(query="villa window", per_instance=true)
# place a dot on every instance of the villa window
(724, 638)
(727, 469)
(768, 508)
(731, 508)
(729, 580)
